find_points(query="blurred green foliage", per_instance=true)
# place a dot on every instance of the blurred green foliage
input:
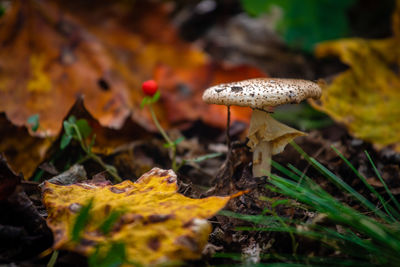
(81, 221)
(306, 22)
(2, 10)
(115, 256)
(302, 117)
(33, 120)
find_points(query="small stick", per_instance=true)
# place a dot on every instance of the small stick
(228, 138)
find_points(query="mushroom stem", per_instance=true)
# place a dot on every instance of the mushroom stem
(262, 159)
(228, 124)
(267, 137)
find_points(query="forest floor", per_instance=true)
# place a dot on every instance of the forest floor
(237, 39)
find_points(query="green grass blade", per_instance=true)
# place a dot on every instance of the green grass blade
(341, 184)
(256, 219)
(107, 225)
(285, 171)
(362, 239)
(382, 181)
(307, 182)
(370, 188)
(338, 212)
(81, 221)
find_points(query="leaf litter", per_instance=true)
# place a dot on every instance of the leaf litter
(133, 149)
(82, 53)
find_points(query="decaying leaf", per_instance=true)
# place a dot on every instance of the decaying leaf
(8, 179)
(22, 151)
(156, 224)
(107, 139)
(101, 50)
(366, 97)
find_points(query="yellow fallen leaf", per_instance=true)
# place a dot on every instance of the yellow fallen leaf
(366, 97)
(156, 224)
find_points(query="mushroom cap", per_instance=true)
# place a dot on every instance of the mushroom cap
(261, 93)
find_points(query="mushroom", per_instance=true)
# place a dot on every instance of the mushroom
(266, 136)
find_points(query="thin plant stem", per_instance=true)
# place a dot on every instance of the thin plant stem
(96, 158)
(158, 125)
(79, 134)
(84, 159)
(171, 144)
(228, 123)
(107, 167)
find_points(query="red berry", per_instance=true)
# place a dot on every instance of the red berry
(149, 87)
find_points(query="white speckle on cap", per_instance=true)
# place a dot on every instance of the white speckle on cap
(261, 93)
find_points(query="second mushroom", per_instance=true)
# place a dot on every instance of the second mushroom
(266, 135)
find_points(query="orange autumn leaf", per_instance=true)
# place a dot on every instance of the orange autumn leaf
(156, 224)
(101, 50)
(182, 91)
(85, 53)
(366, 97)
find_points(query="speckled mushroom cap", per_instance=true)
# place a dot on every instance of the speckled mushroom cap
(262, 93)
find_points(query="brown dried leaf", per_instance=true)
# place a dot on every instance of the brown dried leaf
(23, 151)
(100, 50)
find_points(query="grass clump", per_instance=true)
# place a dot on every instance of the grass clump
(368, 238)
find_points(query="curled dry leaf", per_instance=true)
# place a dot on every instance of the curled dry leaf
(366, 97)
(156, 223)
(22, 151)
